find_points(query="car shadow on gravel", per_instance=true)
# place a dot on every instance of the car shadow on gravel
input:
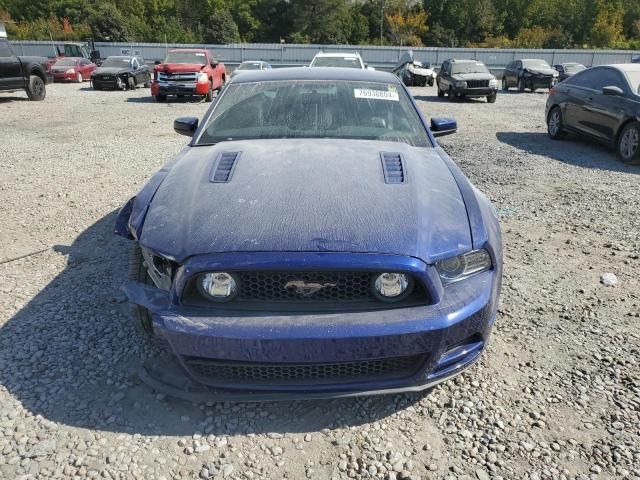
(169, 101)
(573, 150)
(71, 355)
(12, 99)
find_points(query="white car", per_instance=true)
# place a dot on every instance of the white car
(344, 60)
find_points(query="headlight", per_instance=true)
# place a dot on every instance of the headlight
(460, 83)
(391, 286)
(463, 266)
(493, 82)
(71, 71)
(218, 286)
(203, 78)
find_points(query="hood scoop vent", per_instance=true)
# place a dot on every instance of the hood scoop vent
(223, 167)
(393, 168)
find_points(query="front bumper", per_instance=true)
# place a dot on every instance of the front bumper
(536, 81)
(63, 77)
(172, 88)
(447, 337)
(114, 83)
(476, 92)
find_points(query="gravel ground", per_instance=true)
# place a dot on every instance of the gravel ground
(557, 394)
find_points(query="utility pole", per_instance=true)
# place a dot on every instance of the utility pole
(382, 2)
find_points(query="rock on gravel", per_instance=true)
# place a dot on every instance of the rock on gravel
(556, 396)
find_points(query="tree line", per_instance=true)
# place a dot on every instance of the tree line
(444, 23)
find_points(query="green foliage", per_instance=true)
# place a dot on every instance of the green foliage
(450, 23)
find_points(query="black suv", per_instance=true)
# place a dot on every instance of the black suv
(466, 78)
(529, 73)
(22, 73)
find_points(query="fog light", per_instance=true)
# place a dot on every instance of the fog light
(392, 287)
(218, 286)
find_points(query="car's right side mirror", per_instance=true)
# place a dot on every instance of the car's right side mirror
(186, 125)
(157, 62)
(612, 90)
(443, 126)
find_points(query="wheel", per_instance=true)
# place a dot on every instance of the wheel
(36, 90)
(161, 98)
(505, 88)
(209, 96)
(629, 143)
(492, 98)
(555, 129)
(452, 96)
(131, 83)
(78, 77)
(521, 85)
(138, 273)
(430, 82)
(440, 92)
(147, 83)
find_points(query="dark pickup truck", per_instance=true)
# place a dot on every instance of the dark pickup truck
(22, 73)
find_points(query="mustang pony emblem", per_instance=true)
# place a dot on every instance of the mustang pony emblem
(306, 289)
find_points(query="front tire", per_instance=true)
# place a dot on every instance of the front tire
(430, 82)
(209, 96)
(452, 96)
(138, 273)
(492, 98)
(521, 85)
(79, 78)
(36, 91)
(555, 128)
(505, 88)
(147, 83)
(440, 92)
(131, 83)
(628, 146)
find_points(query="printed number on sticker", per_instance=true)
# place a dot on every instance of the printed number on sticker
(376, 94)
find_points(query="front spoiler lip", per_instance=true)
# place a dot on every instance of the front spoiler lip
(169, 378)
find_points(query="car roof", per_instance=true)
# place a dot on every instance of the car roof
(625, 67)
(464, 60)
(531, 59)
(316, 73)
(338, 54)
(188, 50)
(128, 57)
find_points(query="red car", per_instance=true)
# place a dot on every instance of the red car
(74, 69)
(188, 72)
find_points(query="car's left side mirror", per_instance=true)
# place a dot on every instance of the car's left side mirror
(443, 126)
(157, 62)
(185, 125)
(612, 90)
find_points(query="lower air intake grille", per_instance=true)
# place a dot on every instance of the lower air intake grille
(214, 371)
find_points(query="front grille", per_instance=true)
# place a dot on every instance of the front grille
(306, 290)
(107, 77)
(246, 373)
(183, 77)
(477, 83)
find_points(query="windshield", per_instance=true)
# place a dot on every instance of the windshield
(574, 68)
(66, 62)
(345, 62)
(535, 64)
(476, 67)
(186, 57)
(634, 80)
(249, 66)
(121, 62)
(315, 109)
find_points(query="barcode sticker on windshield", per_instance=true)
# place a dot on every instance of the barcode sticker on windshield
(199, 54)
(376, 94)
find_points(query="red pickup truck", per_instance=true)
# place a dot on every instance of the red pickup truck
(188, 72)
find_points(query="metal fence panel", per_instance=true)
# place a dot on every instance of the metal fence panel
(380, 57)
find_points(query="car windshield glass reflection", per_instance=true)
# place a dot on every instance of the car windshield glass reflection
(336, 62)
(66, 62)
(196, 58)
(249, 66)
(314, 109)
(535, 64)
(121, 62)
(469, 68)
(573, 68)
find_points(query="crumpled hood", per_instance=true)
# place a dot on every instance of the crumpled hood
(308, 195)
(110, 70)
(179, 67)
(541, 71)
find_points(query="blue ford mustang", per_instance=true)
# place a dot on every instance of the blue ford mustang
(312, 240)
